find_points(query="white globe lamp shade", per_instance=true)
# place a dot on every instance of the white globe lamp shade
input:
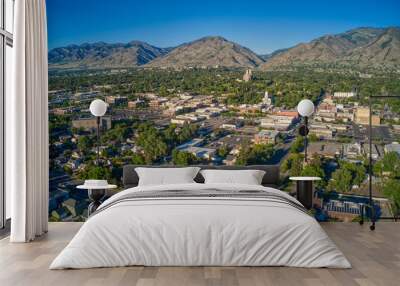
(305, 108)
(98, 107)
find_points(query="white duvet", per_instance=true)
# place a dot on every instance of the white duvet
(202, 232)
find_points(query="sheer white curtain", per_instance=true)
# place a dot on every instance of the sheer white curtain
(27, 124)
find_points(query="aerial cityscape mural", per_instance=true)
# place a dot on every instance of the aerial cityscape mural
(226, 99)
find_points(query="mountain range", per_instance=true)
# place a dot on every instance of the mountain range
(357, 48)
(208, 52)
(103, 55)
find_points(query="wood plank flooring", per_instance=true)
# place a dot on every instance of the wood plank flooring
(375, 257)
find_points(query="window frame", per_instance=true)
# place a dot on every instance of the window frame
(6, 39)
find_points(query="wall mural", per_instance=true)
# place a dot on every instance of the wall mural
(215, 101)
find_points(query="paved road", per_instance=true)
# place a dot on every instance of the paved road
(283, 152)
(378, 133)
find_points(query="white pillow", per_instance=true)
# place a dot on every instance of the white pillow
(248, 177)
(166, 176)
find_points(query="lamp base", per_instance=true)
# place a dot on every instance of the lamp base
(95, 196)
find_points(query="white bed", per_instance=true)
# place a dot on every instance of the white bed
(202, 231)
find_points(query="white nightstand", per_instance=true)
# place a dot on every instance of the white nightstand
(96, 192)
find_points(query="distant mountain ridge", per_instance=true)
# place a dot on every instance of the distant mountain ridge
(355, 47)
(103, 55)
(361, 47)
(384, 49)
(213, 51)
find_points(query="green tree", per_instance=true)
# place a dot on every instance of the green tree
(341, 181)
(358, 172)
(137, 159)
(391, 190)
(293, 164)
(313, 138)
(67, 153)
(188, 132)
(119, 133)
(223, 151)
(256, 154)
(170, 135)
(95, 172)
(180, 158)
(68, 170)
(84, 144)
(389, 165)
(315, 169)
(346, 176)
(297, 145)
(152, 143)
(109, 152)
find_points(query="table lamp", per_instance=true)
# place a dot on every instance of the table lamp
(305, 108)
(98, 108)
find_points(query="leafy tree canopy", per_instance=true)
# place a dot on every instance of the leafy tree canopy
(256, 154)
(152, 142)
(180, 158)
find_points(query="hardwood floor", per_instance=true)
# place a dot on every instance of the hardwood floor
(375, 257)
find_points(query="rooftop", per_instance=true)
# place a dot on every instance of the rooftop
(394, 147)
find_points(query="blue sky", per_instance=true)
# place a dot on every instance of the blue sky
(263, 26)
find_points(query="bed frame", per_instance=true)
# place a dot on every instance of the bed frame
(271, 178)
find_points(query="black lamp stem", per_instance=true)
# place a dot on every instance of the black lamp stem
(371, 202)
(305, 138)
(98, 140)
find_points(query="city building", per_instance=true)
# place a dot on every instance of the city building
(266, 137)
(135, 104)
(90, 124)
(344, 94)
(362, 117)
(196, 142)
(116, 100)
(326, 111)
(179, 121)
(60, 111)
(249, 108)
(345, 115)
(326, 149)
(201, 152)
(209, 112)
(325, 116)
(328, 107)
(86, 96)
(248, 75)
(185, 96)
(232, 124)
(291, 114)
(322, 133)
(230, 160)
(157, 102)
(268, 99)
(374, 151)
(352, 151)
(281, 121)
(393, 147)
